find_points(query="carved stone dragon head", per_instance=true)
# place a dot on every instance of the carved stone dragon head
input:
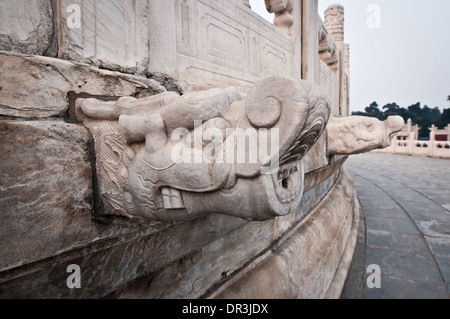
(170, 157)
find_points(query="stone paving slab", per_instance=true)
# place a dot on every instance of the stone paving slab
(395, 212)
(406, 229)
(444, 267)
(397, 241)
(391, 225)
(404, 265)
(439, 246)
(399, 288)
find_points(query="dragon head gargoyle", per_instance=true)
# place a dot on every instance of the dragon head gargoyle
(169, 157)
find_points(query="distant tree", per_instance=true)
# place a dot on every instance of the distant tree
(425, 117)
(392, 109)
(417, 117)
(448, 98)
(444, 120)
(416, 111)
(432, 114)
(373, 111)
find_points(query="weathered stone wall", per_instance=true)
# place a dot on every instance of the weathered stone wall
(26, 26)
(49, 205)
(201, 43)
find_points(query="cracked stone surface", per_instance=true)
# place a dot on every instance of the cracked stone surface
(45, 191)
(407, 227)
(26, 26)
(114, 34)
(38, 87)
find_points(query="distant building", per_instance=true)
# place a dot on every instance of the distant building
(407, 142)
(440, 135)
(409, 132)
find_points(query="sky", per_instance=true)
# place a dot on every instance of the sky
(401, 56)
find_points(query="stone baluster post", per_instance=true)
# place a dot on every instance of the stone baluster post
(284, 14)
(309, 29)
(347, 72)
(409, 129)
(347, 59)
(334, 21)
(433, 133)
(246, 3)
(412, 138)
(433, 139)
(395, 143)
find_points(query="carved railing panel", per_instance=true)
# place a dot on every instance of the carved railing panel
(218, 43)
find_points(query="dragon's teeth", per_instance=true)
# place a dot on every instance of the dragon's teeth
(288, 182)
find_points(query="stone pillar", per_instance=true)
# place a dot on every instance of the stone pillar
(245, 3)
(310, 41)
(410, 137)
(409, 129)
(448, 133)
(433, 144)
(334, 21)
(347, 59)
(347, 72)
(433, 133)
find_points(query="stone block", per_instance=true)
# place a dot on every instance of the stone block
(191, 277)
(46, 199)
(108, 264)
(217, 262)
(45, 189)
(26, 26)
(110, 34)
(38, 87)
(304, 263)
